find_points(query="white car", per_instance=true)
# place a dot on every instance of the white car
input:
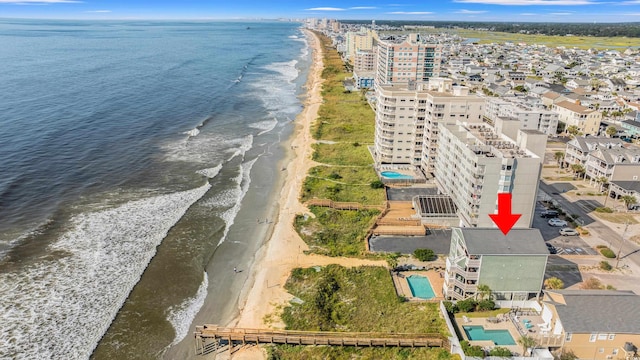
(568, 232)
(557, 222)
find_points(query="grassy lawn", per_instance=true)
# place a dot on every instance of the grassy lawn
(336, 232)
(347, 184)
(482, 314)
(617, 218)
(356, 299)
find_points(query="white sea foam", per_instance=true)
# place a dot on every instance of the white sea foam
(210, 172)
(287, 69)
(292, 37)
(192, 132)
(265, 126)
(239, 146)
(59, 306)
(181, 316)
(231, 199)
(207, 148)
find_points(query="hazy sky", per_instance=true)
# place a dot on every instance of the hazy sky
(472, 10)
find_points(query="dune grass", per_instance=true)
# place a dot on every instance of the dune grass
(336, 232)
(346, 184)
(356, 299)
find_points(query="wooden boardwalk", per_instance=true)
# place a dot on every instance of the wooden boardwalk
(210, 338)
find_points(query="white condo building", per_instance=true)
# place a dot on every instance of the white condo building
(474, 164)
(545, 121)
(407, 118)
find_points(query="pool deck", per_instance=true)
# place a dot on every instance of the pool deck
(402, 286)
(507, 323)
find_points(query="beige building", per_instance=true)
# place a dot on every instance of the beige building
(593, 324)
(361, 40)
(474, 164)
(586, 120)
(407, 117)
(364, 61)
(530, 118)
(407, 58)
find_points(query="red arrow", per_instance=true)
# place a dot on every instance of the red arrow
(504, 218)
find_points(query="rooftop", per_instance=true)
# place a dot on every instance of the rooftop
(574, 107)
(490, 241)
(597, 311)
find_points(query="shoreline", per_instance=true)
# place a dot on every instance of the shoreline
(283, 250)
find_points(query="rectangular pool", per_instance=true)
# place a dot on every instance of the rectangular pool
(420, 287)
(499, 337)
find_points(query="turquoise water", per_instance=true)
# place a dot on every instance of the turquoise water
(395, 175)
(420, 287)
(499, 337)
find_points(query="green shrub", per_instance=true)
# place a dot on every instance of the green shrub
(486, 305)
(608, 253)
(500, 351)
(601, 247)
(334, 176)
(467, 305)
(604, 265)
(450, 307)
(377, 184)
(607, 210)
(475, 350)
(424, 254)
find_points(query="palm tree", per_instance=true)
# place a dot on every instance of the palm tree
(628, 200)
(559, 155)
(483, 291)
(578, 169)
(573, 130)
(554, 283)
(527, 342)
(602, 180)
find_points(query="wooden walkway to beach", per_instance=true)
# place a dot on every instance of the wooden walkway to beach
(211, 338)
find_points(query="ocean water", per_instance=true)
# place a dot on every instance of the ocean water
(127, 150)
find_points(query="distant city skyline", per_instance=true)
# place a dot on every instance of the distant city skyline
(458, 10)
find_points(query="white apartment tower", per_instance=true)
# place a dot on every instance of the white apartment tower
(474, 164)
(404, 59)
(407, 117)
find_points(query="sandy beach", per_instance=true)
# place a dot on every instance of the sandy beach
(284, 250)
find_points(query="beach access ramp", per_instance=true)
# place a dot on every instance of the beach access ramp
(211, 338)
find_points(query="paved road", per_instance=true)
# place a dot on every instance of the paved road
(630, 251)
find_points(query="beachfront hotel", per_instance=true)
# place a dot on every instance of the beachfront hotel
(476, 162)
(407, 117)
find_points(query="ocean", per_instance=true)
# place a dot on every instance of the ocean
(139, 162)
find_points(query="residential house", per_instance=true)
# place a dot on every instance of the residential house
(632, 127)
(593, 324)
(586, 120)
(512, 265)
(615, 164)
(580, 147)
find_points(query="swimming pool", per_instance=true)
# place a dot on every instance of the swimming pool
(420, 287)
(499, 337)
(395, 175)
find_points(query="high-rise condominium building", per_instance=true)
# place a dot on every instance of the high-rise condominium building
(408, 58)
(407, 118)
(474, 164)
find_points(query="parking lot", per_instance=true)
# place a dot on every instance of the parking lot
(564, 245)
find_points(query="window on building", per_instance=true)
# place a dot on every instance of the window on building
(615, 351)
(602, 336)
(568, 337)
(612, 336)
(593, 337)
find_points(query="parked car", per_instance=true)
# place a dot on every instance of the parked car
(549, 214)
(557, 222)
(568, 232)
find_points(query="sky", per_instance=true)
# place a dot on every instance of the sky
(462, 10)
